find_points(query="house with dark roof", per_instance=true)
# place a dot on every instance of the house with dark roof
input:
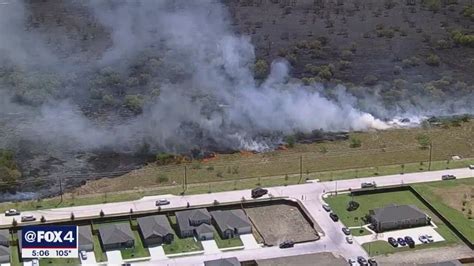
(85, 238)
(204, 232)
(155, 230)
(5, 238)
(232, 261)
(116, 236)
(230, 223)
(4, 254)
(188, 221)
(394, 217)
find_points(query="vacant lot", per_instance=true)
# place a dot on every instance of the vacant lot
(379, 148)
(377, 200)
(322, 259)
(454, 200)
(277, 223)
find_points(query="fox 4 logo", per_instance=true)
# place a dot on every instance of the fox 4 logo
(55, 236)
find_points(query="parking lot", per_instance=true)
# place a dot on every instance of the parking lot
(412, 232)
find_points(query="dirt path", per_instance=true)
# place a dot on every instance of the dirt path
(432, 255)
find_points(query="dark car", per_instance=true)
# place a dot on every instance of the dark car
(393, 242)
(361, 260)
(372, 262)
(410, 241)
(334, 217)
(287, 244)
(448, 177)
(258, 192)
(401, 241)
(346, 231)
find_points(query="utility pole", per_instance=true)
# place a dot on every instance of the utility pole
(61, 189)
(429, 164)
(185, 179)
(301, 169)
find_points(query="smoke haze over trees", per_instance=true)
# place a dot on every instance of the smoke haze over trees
(168, 75)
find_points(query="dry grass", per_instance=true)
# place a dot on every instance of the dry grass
(389, 147)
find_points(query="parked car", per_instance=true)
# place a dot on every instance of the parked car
(258, 192)
(471, 166)
(401, 241)
(83, 255)
(326, 207)
(162, 202)
(287, 244)
(368, 184)
(361, 260)
(423, 239)
(349, 239)
(448, 177)
(12, 212)
(430, 238)
(410, 242)
(346, 231)
(28, 218)
(392, 241)
(334, 217)
(352, 262)
(372, 262)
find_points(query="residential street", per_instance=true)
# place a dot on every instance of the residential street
(332, 239)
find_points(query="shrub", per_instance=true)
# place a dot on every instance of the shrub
(164, 158)
(108, 99)
(14, 222)
(355, 142)
(423, 140)
(72, 217)
(432, 60)
(261, 69)
(101, 213)
(134, 103)
(162, 178)
(347, 55)
(463, 39)
(343, 65)
(43, 220)
(290, 140)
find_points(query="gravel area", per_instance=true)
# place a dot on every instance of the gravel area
(277, 223)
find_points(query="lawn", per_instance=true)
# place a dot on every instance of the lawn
(14, 256)
(450, 198)
(59, 261)
(227, 243)
(182, 245)
(100, 255)
(377, 200)
(360, 232)
(138, 251)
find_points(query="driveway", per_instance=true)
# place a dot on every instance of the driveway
(412, 232)
(114, 257)
(157, 253)
(90, 259)
(249, 241)
(210, 247)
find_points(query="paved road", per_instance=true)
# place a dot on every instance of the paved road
(310, 194)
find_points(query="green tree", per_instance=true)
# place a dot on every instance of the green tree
(290, 140)
(134, 103)
(424, 141)
(355, 142)
(261, 69)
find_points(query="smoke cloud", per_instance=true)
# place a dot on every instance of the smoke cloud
(211, 100)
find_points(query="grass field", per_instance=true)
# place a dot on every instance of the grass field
(377, 200)
(182, 245)
(227, 243)
(99, 253)
(360, 232)
(138, 251)
(70, 199)
(59, 262)
(379, 148)
(454, 199)
(383, 247)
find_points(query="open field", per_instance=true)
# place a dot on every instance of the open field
(137, 251)
(72, 199)
(379, 148)
(278, 223)
(377, 200)
(454, 199)
(322, 259)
